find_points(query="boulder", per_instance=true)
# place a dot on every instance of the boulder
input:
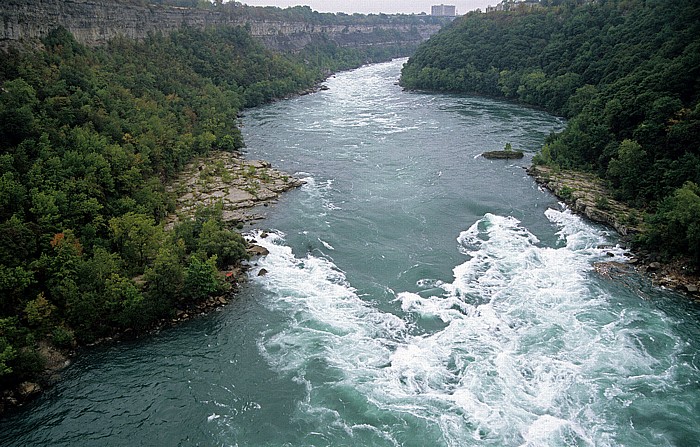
(654, 266)
(26, 389)
(257, 250)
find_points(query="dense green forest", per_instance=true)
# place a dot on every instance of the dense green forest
(626, 74)
(88, 139)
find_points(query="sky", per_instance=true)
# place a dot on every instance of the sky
(376, 6)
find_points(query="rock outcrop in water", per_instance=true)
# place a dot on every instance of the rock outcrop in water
(240, 186)
(95, 22)
(503, 155)
(586, 194)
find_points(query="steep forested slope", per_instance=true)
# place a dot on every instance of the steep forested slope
(88, 137)
(627, 75)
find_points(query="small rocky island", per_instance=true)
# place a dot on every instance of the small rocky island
(503, 155)
(506, 154)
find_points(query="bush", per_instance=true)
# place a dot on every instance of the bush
(165, 279)
(228, 246)
(201, 278)
(566, 193)
(62, 337)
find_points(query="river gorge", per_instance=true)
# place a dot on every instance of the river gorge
(415, 294)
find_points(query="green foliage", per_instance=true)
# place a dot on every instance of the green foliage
(62, 337)
(14, 281)
(566, 193)
(89, 137)
(124, 302)
(165, 280)
(624, 72)
(602, 203)
(38, 313)
(18, 358)
(7, 352)
(18, 103)
(201, 278)
(228, 247)
(627, 168)
(676, 225)
(137, 238)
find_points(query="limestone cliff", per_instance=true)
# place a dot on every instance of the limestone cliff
(95, 22)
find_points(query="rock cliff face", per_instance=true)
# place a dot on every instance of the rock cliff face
(95, 22)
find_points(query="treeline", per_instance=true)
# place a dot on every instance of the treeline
(626, 73)
(298, 13)
(88, 139)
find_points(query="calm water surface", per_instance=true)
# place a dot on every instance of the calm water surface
(417, 295)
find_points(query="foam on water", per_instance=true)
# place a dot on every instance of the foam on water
(519, 361)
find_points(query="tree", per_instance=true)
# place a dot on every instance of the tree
(40, 314)
(201, 278)
(7, 352)
(14, 281)
(165, 280)
(628, 168)
(227, 246)
(137, 237)
(675, 228)
(17, 105)
(13, 195)
(124, 303)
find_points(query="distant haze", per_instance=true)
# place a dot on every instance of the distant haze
(375, 6)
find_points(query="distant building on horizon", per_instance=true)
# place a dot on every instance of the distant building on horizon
(443, 11)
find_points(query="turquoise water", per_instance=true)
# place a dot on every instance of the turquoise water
(417, 295)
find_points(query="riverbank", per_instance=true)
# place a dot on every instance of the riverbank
(586, 194)
(243, 188)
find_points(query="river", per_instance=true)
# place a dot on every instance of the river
(416, 295)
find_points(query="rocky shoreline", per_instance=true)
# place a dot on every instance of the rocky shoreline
(586, 194)
(241, 187)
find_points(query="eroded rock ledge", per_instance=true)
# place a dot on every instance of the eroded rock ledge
(96, 22)
(240, 185)
(586, 194)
